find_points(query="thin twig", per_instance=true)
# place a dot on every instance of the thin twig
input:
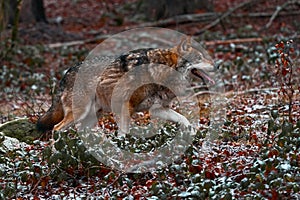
(278, 9)
(226, 14)
(200, 17)
(207, 43)
(78, 42)
(204, 17)
(233, 93)
(253, 90)
(233, 41)
(180, 19)
(264, 14)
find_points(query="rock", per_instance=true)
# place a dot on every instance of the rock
(10, 144)
(21, 129)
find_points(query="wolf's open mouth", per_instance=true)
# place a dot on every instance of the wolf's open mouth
(201, 74)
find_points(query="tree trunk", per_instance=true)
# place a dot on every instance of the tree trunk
(31, 11)
(38, 10)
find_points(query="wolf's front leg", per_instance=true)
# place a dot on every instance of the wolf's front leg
(168, 114)
(124, 123)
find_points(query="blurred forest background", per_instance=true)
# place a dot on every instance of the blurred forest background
(256, 151)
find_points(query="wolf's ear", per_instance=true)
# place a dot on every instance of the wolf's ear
(184, 46)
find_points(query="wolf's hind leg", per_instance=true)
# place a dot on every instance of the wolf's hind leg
(168, 114)
(74, 114)
(67, 121)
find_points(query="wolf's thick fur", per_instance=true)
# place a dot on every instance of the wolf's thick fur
(60, 115)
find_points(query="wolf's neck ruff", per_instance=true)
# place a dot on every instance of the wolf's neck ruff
(61, 113)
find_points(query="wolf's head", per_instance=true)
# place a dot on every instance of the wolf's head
(194, 61)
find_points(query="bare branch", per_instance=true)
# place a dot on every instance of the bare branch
(204, 17)
(228, 13)
(207, 43)
(278, 9)
(238, 93)
(181, 19)
(78, 42)
(233, 41)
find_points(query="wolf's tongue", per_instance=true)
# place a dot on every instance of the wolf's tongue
(202, 74)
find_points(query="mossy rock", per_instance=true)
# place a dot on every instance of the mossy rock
(22, 129)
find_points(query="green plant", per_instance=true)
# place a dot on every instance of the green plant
(285, 73)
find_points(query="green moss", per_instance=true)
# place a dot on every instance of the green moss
(21, 129)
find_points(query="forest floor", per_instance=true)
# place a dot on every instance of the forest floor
(83, 22)
(256, 151)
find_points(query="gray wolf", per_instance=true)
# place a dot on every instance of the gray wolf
(154, 98)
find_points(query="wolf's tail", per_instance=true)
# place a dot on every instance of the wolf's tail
(53, 116)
